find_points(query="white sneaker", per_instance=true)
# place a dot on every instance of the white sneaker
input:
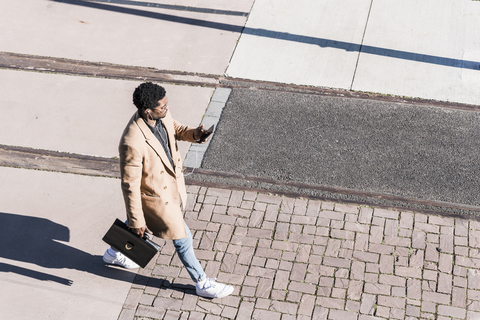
(118, 258)
(209, 288)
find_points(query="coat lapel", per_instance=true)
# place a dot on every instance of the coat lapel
(153, 142)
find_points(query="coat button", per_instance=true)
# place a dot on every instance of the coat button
(165, 187)
(161, 172)
(166, 203)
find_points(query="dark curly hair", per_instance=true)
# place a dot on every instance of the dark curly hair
(147, 94)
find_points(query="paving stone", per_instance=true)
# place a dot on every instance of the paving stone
(474, 225)
(167, 304)
(392, 302)
(298, 272)
(367, 304)
(444, 283)
(446, 243)
(471, 315)
(342, 234)
(270, 199)
(407, 233)
(337, 224)
(416, 259)
(366, 317)
(376, 234)
(336, 262)
(396, 313)
(334, 215)
(303, 254)
(436, 297)
(386, 263)
(460, 271)
(432, 252)
(133, 298)
(356, 227)
(342, 315)
(428, 306)
(461, 227)
(474, 278)
(301, 238)
(357, 270)
(406, 220)
(371, 277)
(333, 247)
(127, 314)
(313, 208)
(259, 314)
(397, 241)
(271, 212)
(366, 256)
(284, 307)
(412, 311)
(467, 262)
(425, 227)
(150, 312)
(460, 282)
(390, 214)
(307, 304)
(378, 221)
(376, 288)
(381, 248)
(365, 215)
(332, 303)
(264, 288)
(228, 312)
(352, 306)
(302, 287)
(361, 242)
(320, 313)
(392, 280)
(382, 311)
(459, 296)
(348, 208)
(391, 227)
(473, 305)
(354, 291)
(414, 289)
(418, 239)
(449, 311)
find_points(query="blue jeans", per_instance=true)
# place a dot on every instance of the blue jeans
(187, 256)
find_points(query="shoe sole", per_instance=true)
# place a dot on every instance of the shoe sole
(226, 293)
(116, 264)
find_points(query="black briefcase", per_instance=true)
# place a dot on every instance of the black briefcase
(140, 250)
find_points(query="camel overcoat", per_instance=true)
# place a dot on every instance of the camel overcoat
(152, 189)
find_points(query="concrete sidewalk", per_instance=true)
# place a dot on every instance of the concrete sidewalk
(427, 49)
(290, 258)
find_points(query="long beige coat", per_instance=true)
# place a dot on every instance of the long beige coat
(152, 189)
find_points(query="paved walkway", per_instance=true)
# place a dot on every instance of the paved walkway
(297, 259)
(288, 258)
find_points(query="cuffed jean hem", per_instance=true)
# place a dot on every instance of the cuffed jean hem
(186, 254)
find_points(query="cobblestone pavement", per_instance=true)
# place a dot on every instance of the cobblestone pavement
(302, 259)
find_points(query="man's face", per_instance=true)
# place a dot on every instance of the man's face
(161, 110)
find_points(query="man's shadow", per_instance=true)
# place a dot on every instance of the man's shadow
(35, 240)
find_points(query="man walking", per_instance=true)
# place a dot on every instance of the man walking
(153, 184)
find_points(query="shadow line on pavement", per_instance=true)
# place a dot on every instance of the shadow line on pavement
(5, 267)
(175, 7)
(324, 43)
